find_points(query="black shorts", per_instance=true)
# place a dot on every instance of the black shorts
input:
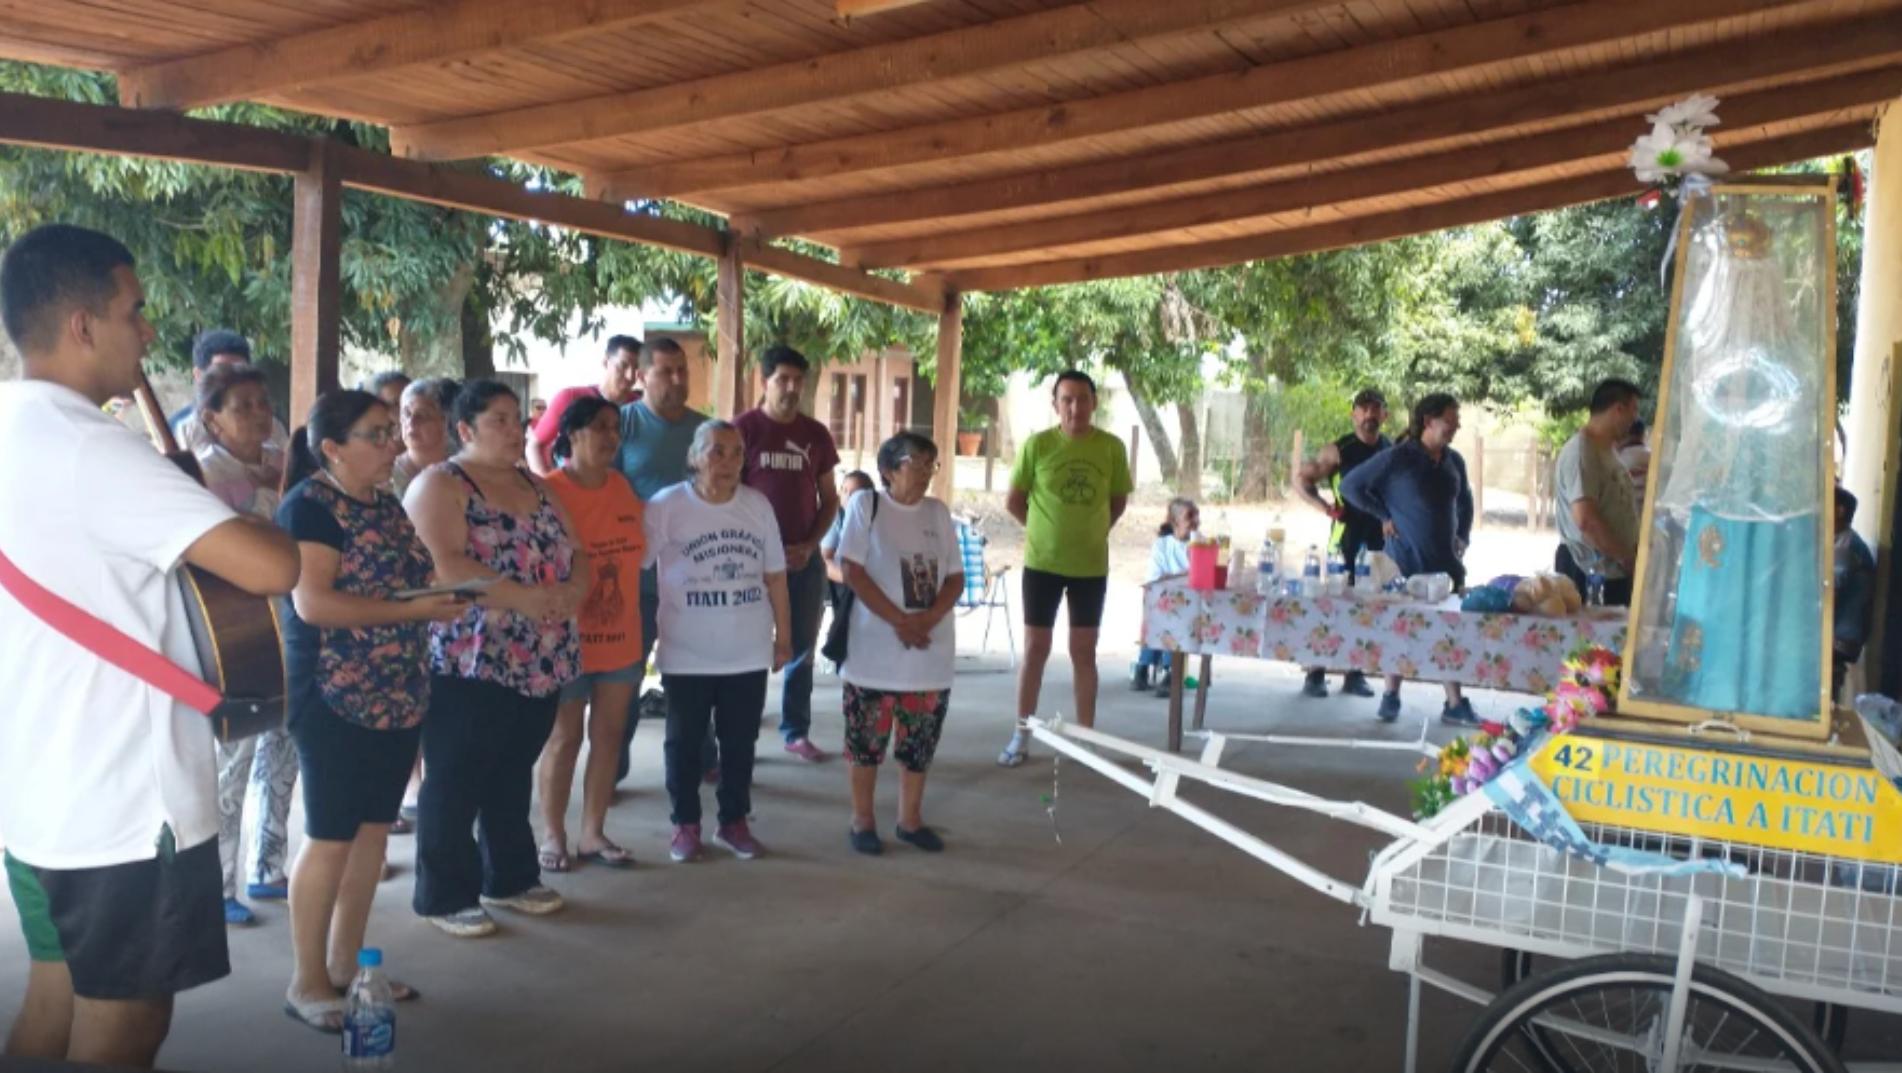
(1043, 591)
(141, 930)
(352, 775)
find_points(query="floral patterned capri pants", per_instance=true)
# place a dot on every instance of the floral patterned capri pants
(871, 713)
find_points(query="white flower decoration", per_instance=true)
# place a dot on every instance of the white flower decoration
(1677, 145)
(1696, 111)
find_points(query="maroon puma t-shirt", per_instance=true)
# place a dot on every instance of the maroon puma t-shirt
(784, 463)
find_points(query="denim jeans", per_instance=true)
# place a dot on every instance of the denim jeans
(480, 743)
(732, 703)
(1153, 657)
(806, 595)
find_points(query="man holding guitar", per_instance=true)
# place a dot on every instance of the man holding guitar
(108, 805)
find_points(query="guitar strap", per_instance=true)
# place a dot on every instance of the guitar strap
(107, 641)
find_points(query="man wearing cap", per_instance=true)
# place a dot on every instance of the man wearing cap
(1353, 529)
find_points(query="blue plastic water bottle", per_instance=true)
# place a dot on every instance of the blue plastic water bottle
(1595, 590)
(369, 1016)
(1363, 569)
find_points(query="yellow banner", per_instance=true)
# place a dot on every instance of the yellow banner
(1803, 805)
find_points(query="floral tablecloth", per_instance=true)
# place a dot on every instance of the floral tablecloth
(1378, 634)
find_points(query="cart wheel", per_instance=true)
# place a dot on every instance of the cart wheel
(1832, 1023)
(1545, 1048)
(1627, 997)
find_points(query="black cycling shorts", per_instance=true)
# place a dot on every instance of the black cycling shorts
(1043, 591)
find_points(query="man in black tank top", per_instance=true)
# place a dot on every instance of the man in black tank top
(1353, 530)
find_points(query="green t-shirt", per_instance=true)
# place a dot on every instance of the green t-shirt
(1070, 483)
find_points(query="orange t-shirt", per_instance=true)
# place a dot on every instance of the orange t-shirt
(608, 524)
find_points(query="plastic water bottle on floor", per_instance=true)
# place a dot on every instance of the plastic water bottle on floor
(1336, 574)
(369, 1016)
(1311, 572)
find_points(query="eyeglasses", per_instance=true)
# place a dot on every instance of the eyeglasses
(918, 462)
(381, 436)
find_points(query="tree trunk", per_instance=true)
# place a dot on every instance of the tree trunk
(478, 346)
(1258, 451)
(1189, 468)
(1158, 435)
(443, 354)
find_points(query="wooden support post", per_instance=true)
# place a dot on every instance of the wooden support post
(730, 327)
(316, 283)
(1296, 455)
(881, 400)
(1532, 487)
(1135, 448)
(990, 455)
(1479, 479)
(944, 414)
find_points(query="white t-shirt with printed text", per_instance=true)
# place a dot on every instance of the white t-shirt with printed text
(94, 762)
(909, 552)
(712, 559)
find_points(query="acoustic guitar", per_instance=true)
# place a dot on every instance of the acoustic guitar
(239, 641)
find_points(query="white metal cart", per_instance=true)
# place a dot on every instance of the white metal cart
(1605, 970)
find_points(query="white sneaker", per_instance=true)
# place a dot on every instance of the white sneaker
(536, 901)
(471, 923)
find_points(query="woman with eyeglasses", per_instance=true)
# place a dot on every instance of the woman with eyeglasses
(899, 553)
(497, 671)
(1169, 557)
(242, 467)
(356, 657)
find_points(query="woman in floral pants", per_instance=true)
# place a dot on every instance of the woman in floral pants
(899, 554)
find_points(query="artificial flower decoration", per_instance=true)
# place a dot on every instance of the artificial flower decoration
(1587, 684)
(1677, 145)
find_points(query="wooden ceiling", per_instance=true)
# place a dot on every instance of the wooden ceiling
(1006, 143)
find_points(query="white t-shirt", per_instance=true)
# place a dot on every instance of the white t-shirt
(715, 617)
(93, 762)
(908, 551)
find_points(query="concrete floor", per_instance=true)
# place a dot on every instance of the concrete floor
(1135, 943)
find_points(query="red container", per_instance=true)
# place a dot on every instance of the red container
(1205, 569)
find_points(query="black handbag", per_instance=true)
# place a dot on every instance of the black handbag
(838, 634)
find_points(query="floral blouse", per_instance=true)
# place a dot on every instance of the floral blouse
(376, 676)
(506, 648)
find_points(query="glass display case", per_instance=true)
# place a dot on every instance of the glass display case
(1731, 610)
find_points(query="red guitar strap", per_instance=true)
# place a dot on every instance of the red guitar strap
(107, 641)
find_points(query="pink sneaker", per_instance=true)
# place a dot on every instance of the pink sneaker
(804, 749)
(740, 840)
(686, 844)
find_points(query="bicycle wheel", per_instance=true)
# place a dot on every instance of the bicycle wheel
(1607, 1015)
(1830, 1021)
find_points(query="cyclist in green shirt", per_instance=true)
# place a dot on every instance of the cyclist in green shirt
(1068, 487)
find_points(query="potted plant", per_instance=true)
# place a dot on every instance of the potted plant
(971, 426)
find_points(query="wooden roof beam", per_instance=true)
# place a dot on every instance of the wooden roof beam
(1610, 138)
(437, 32)
(989, 46)
(1595, 186)
(1860, 41)
(95, 128)
(1556, 30)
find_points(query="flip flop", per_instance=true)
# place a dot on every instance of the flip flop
(609, 856)
(399, 991)
(317, 1015)
(552, 860)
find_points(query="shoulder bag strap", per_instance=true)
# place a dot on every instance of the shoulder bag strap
(107, 641)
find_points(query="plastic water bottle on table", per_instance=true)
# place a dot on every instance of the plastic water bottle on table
(369, 1016)
(1268, 569)
(1336, 574)
(1364, 570)
(1311, 572)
